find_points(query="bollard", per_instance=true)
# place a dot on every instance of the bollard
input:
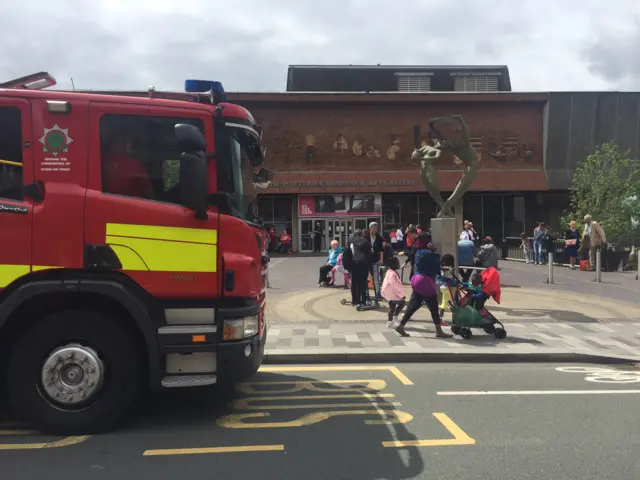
(598, 265)
(638, 260)
(550, 274)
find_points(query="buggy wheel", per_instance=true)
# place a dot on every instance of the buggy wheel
(456, 329)
(466, 333)
(359, 308)
(343, 301)
(369, 302)
(500, 333)
(490, 330)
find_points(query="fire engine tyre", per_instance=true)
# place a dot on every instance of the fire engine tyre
(105, 357)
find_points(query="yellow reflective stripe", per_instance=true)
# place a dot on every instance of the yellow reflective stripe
(37, 268)
(10, 273)
(171, 256)
(176, 234)
(129, 259)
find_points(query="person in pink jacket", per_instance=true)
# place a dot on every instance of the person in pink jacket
(393, 292)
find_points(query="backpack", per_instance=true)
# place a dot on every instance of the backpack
(347, 258)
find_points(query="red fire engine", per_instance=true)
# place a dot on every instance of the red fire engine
(131, 256)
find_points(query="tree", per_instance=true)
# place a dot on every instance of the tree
(606, 185)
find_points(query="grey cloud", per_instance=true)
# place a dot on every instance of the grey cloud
(616, 58)
(249, 45)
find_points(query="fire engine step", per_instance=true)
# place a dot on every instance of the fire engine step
(188, 381)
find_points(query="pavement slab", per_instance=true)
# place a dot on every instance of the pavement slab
(615, 339)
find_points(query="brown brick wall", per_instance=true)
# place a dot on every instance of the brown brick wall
(372, 143)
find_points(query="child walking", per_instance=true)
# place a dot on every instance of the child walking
(444, 280)
(393, 292)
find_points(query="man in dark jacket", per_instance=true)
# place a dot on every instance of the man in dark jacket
(361, 249)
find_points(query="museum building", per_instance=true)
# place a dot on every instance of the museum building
(340, 139)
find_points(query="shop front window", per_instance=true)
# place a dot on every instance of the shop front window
(513, 215)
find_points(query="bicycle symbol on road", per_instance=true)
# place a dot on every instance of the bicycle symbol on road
(603, 375)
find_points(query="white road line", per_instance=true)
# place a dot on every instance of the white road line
(472, 393)
(544, 336)
(563, 325)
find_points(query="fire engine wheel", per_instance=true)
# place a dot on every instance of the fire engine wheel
(74, 372)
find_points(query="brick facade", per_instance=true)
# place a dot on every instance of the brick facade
(363, 143)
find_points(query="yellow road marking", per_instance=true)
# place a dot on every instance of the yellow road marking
(65, 442)
(199, 451)
(17, 432)
(236, 420)
(245, 403)
(331, 368)
(357, 386)
(459, 436)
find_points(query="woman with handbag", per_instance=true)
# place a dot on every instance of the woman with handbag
(572, 243)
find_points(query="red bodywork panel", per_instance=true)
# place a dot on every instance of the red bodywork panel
(74, 213)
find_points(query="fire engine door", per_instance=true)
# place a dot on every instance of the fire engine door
(133, 201)
(16, 171)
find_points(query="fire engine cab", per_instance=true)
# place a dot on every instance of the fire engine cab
(131, 256)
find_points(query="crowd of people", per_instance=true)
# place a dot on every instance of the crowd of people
(579, 246)
(370, 257)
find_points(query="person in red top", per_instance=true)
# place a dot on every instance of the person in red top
(285, 241)
(123, 174)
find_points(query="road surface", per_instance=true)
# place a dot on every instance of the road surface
(445, 421)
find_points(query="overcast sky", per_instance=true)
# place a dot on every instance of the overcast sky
(248, 44)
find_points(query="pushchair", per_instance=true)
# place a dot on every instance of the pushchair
(468, 310)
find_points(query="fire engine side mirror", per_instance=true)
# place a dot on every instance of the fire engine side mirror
(193, 183)
(189, 138)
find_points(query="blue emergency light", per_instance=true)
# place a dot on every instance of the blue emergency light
(202, 86)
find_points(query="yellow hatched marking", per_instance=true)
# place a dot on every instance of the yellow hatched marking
(246, 403)
(459, 436)
(313, 386)
(175, 234)
(200, 451)
(17, 432)
(237, 420)
(65, 442)
(347, 368)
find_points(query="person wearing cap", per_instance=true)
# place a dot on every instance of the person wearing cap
(377, 245)
(593, 238)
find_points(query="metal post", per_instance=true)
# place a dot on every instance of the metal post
(550, 263)
(638, 260)
(598, 265)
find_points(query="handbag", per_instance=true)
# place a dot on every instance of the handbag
(571, 243)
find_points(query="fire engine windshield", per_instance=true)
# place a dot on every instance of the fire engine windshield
(235, 171)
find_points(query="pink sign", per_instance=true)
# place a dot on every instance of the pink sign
(307, 206)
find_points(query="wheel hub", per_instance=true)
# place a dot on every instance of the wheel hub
(72, 374)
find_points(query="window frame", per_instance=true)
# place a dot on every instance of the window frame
(20, 143)
(178, 116)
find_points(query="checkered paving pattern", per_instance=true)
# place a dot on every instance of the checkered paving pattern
(621, 338)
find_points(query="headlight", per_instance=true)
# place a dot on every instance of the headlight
(240, 328)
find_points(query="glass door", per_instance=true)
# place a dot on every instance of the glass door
(306, 235)
(337, 230)
(361, 224)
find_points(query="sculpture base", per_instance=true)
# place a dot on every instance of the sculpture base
(444, 233)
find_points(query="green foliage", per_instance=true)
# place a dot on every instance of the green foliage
(606, 185)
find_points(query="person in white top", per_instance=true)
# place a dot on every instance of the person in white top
(466, 233)
(400, 238)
